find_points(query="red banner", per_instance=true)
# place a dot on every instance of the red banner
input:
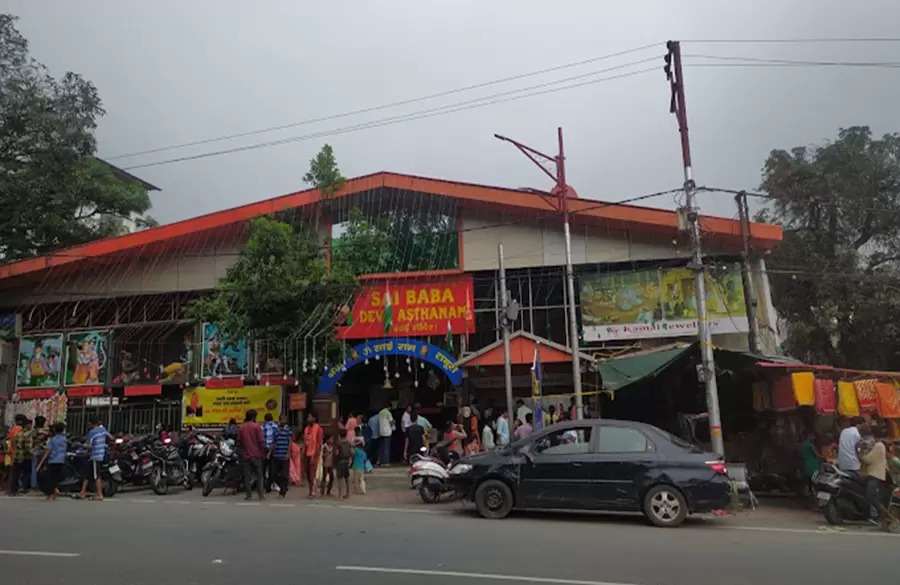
(274, 380)
(33, 393)
(418, 309)
(143, 390)
(297, 401)
(225, 383)
(85, 391)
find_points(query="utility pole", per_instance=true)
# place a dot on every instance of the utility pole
(707, 371)
(750, 298)
(562, 193)
(504, 326)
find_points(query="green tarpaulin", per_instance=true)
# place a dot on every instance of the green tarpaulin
(620, 372)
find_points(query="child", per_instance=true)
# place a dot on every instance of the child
(327, 467)
(55, 458)
(342, 465)
(357, 472)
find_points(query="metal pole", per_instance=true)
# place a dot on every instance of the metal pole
(708, 367)
(750, 299)
(507, 366)
(570, 280)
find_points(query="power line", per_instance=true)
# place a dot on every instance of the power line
(386, 106)
(448, 109)
(759, 62)
(799, 41)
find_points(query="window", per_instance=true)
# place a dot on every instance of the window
(564, 442)
(622, 440)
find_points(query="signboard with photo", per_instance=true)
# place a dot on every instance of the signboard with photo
(40, 361)
(87, 356)
(222, 355)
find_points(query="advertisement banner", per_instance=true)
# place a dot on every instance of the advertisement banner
(10, 326)
(87, 353)
(222, 356)
(659, 303)
(40, 361)
(214, 407)
(416, 309)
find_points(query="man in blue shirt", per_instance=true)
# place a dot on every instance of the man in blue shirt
(268, 428)
(96, 442)
(280, 460)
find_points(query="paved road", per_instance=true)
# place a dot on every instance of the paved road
(184, 540)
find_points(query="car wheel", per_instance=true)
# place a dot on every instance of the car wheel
(665, 506)
(493, 499)
(833, 512)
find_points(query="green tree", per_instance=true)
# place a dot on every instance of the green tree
(53, 192)
(836, 277)
(324, 175)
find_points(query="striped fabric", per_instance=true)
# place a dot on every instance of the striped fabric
(281, 443)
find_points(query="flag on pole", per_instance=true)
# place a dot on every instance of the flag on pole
(388, 310)
(448, 340)
(470, 317)
(536, 388)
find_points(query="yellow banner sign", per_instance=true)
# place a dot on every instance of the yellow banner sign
(214, 407)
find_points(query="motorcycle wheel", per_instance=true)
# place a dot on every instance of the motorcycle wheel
(204, 476)
(108, 487)
(188, 481)
(429, 493)
(158, 483)
(208, 486)
(833, 513)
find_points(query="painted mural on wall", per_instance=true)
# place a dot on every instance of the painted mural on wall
(166, 360)
(222, 355)
(40, 361)
(87, 356)
(659, 303)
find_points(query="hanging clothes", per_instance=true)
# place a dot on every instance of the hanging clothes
(762, 396)
(847, 403)
(866, 395)
(888, 404)
(826, 401)
(783, 394)
(804, 391)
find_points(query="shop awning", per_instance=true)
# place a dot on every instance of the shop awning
(619, 372)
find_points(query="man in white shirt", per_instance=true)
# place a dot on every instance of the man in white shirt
(503, 430)
(521, 411)
(386, 430)
(848, 460)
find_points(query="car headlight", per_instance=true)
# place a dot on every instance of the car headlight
(460, 469)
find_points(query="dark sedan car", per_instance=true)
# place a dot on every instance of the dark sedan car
(596, 465)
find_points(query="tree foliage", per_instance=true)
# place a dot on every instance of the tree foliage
(836, 277)
(53, 192)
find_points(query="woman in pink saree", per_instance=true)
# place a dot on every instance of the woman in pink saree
(296, 463)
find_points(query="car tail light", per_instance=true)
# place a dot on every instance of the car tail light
(718, 466)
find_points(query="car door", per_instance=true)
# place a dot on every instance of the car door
(624, 460)
(557, 470)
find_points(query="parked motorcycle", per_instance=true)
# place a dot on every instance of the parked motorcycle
(197, 450)
(168, 469)
(134, 461)
(840, 495)
(430, 471)
(224, 470)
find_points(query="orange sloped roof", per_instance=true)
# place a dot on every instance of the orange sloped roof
(467, 194)
(521, 351)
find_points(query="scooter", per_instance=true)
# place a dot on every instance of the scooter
(841, 496)
(168, 469)
(430, 473)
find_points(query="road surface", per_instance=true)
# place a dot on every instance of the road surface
(183, 539)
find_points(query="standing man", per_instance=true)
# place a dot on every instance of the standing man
(521, 411)
(252, 449)
(12, 488)
(312, 450)
(848, 460)
(268, 428)
(22, 457)
(96, 442)
(503, 429)
(415, 437)
(40, 436)
(279, 463)
(386, 426)
(375, 429)
(525, 429)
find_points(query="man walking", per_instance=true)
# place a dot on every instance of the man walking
(312, 450)
(268, 428)
(22, 456)
(96, 442)
(279, 462)
(252, 449)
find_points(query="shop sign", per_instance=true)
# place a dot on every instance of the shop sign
(659, 303)
(418, 309)
(384, 347)
(143, 390)
(80, 391)
(87, 355)
(224, 383)
(214, 407)
(34, 393)
(298, 401)
(40, 361)
(10, 326)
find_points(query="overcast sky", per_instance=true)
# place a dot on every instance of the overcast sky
(171, 72)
